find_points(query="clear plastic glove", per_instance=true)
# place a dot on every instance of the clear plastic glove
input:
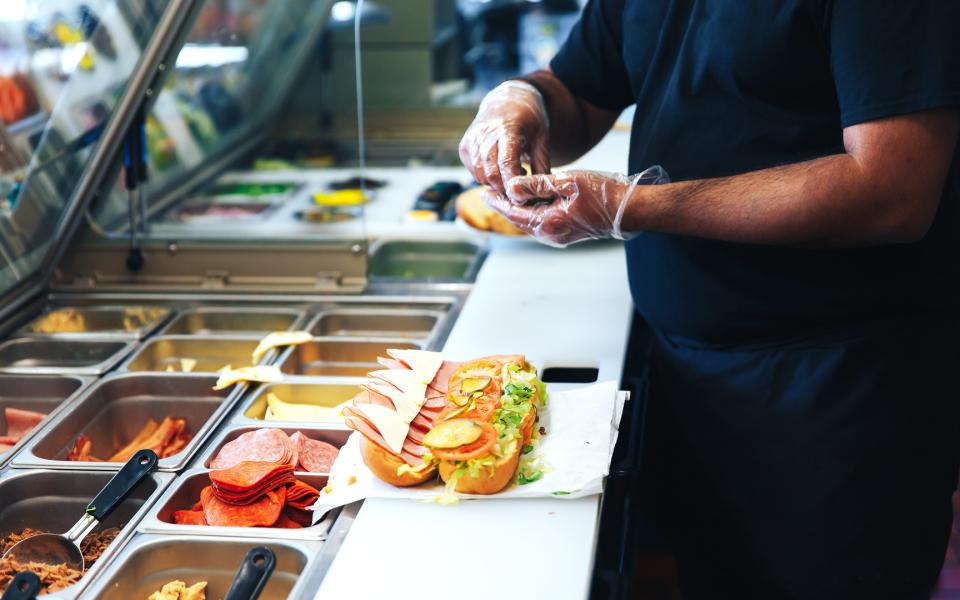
(571, 207)
(511, 126)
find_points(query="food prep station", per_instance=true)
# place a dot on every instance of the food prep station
(100, 348)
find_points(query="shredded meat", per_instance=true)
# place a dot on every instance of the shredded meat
(58, 577)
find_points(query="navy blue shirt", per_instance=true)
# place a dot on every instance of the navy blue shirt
(728, 86)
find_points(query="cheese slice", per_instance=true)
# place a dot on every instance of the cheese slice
(407, 404)
(424, 364)
(280, 338)
(261, 373)
(388, 423)
(278, 410)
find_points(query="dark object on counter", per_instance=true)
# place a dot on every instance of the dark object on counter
(356, 183)
(253, 574)
(570, 374)
(25, 586)
(64, 549)
(438, 197)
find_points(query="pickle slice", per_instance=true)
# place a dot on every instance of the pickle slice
(453, 434)
(467, 406)
(472, 385)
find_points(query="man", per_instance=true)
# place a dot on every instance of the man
(801, 275)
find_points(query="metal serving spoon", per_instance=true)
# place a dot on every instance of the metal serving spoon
(56, 548)
(24, 586)
(252, 575)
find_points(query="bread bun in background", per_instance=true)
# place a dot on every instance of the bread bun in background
(475, 213)
(384, 465)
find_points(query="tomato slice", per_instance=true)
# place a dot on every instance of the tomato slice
(481, 447)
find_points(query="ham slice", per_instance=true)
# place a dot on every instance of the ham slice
(438, 387)
(392, 363)
(375, 397)
(20, 422)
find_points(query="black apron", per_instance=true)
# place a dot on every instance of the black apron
(811, 469)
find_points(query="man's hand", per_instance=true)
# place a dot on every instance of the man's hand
(570, 207)
(511, 125)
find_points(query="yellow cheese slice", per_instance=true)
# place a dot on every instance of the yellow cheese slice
(187, 364)
(278, 339)
(278, 410)
(260, 373)
(389, 424)
(407, 404)
(424, 364)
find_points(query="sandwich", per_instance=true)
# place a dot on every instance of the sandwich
(470, 422)
(475, 213)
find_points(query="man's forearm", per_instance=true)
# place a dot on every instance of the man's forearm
(826, 202)
(575, 126)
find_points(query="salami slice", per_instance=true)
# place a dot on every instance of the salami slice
(302, 495)
(249, 475)
(262, 513)
(296, 441)
(285, 522)
(317, 456)
(262, 445)
(189, 517)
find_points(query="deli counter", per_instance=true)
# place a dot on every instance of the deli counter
(170, 198)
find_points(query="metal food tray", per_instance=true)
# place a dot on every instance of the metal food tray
(210, 353)
(149, 561)
(401, 324)
(126, 321)
(112, 411)
(47, 356)
(185, 492)
(219, 320)
(338, 357)
(44, 394)
(316, 391)
(54, 500)
(430, 261)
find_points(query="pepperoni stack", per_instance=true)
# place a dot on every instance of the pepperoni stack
(252, 494)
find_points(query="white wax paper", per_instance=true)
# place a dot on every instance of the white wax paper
(581, 431)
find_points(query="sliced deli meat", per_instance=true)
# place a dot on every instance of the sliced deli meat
(317, 456)
(20, 422)
(260, 445)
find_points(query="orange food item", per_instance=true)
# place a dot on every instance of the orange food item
(476, 449)
(166, 439)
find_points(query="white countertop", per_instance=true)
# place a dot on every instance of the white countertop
(561, 308)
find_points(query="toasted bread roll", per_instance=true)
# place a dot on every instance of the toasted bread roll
(384, 465)
(490, 480)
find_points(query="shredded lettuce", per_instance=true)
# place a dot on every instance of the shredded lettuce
(516, 402)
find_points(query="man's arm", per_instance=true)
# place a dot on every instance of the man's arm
(885, 189)
(576, 126)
